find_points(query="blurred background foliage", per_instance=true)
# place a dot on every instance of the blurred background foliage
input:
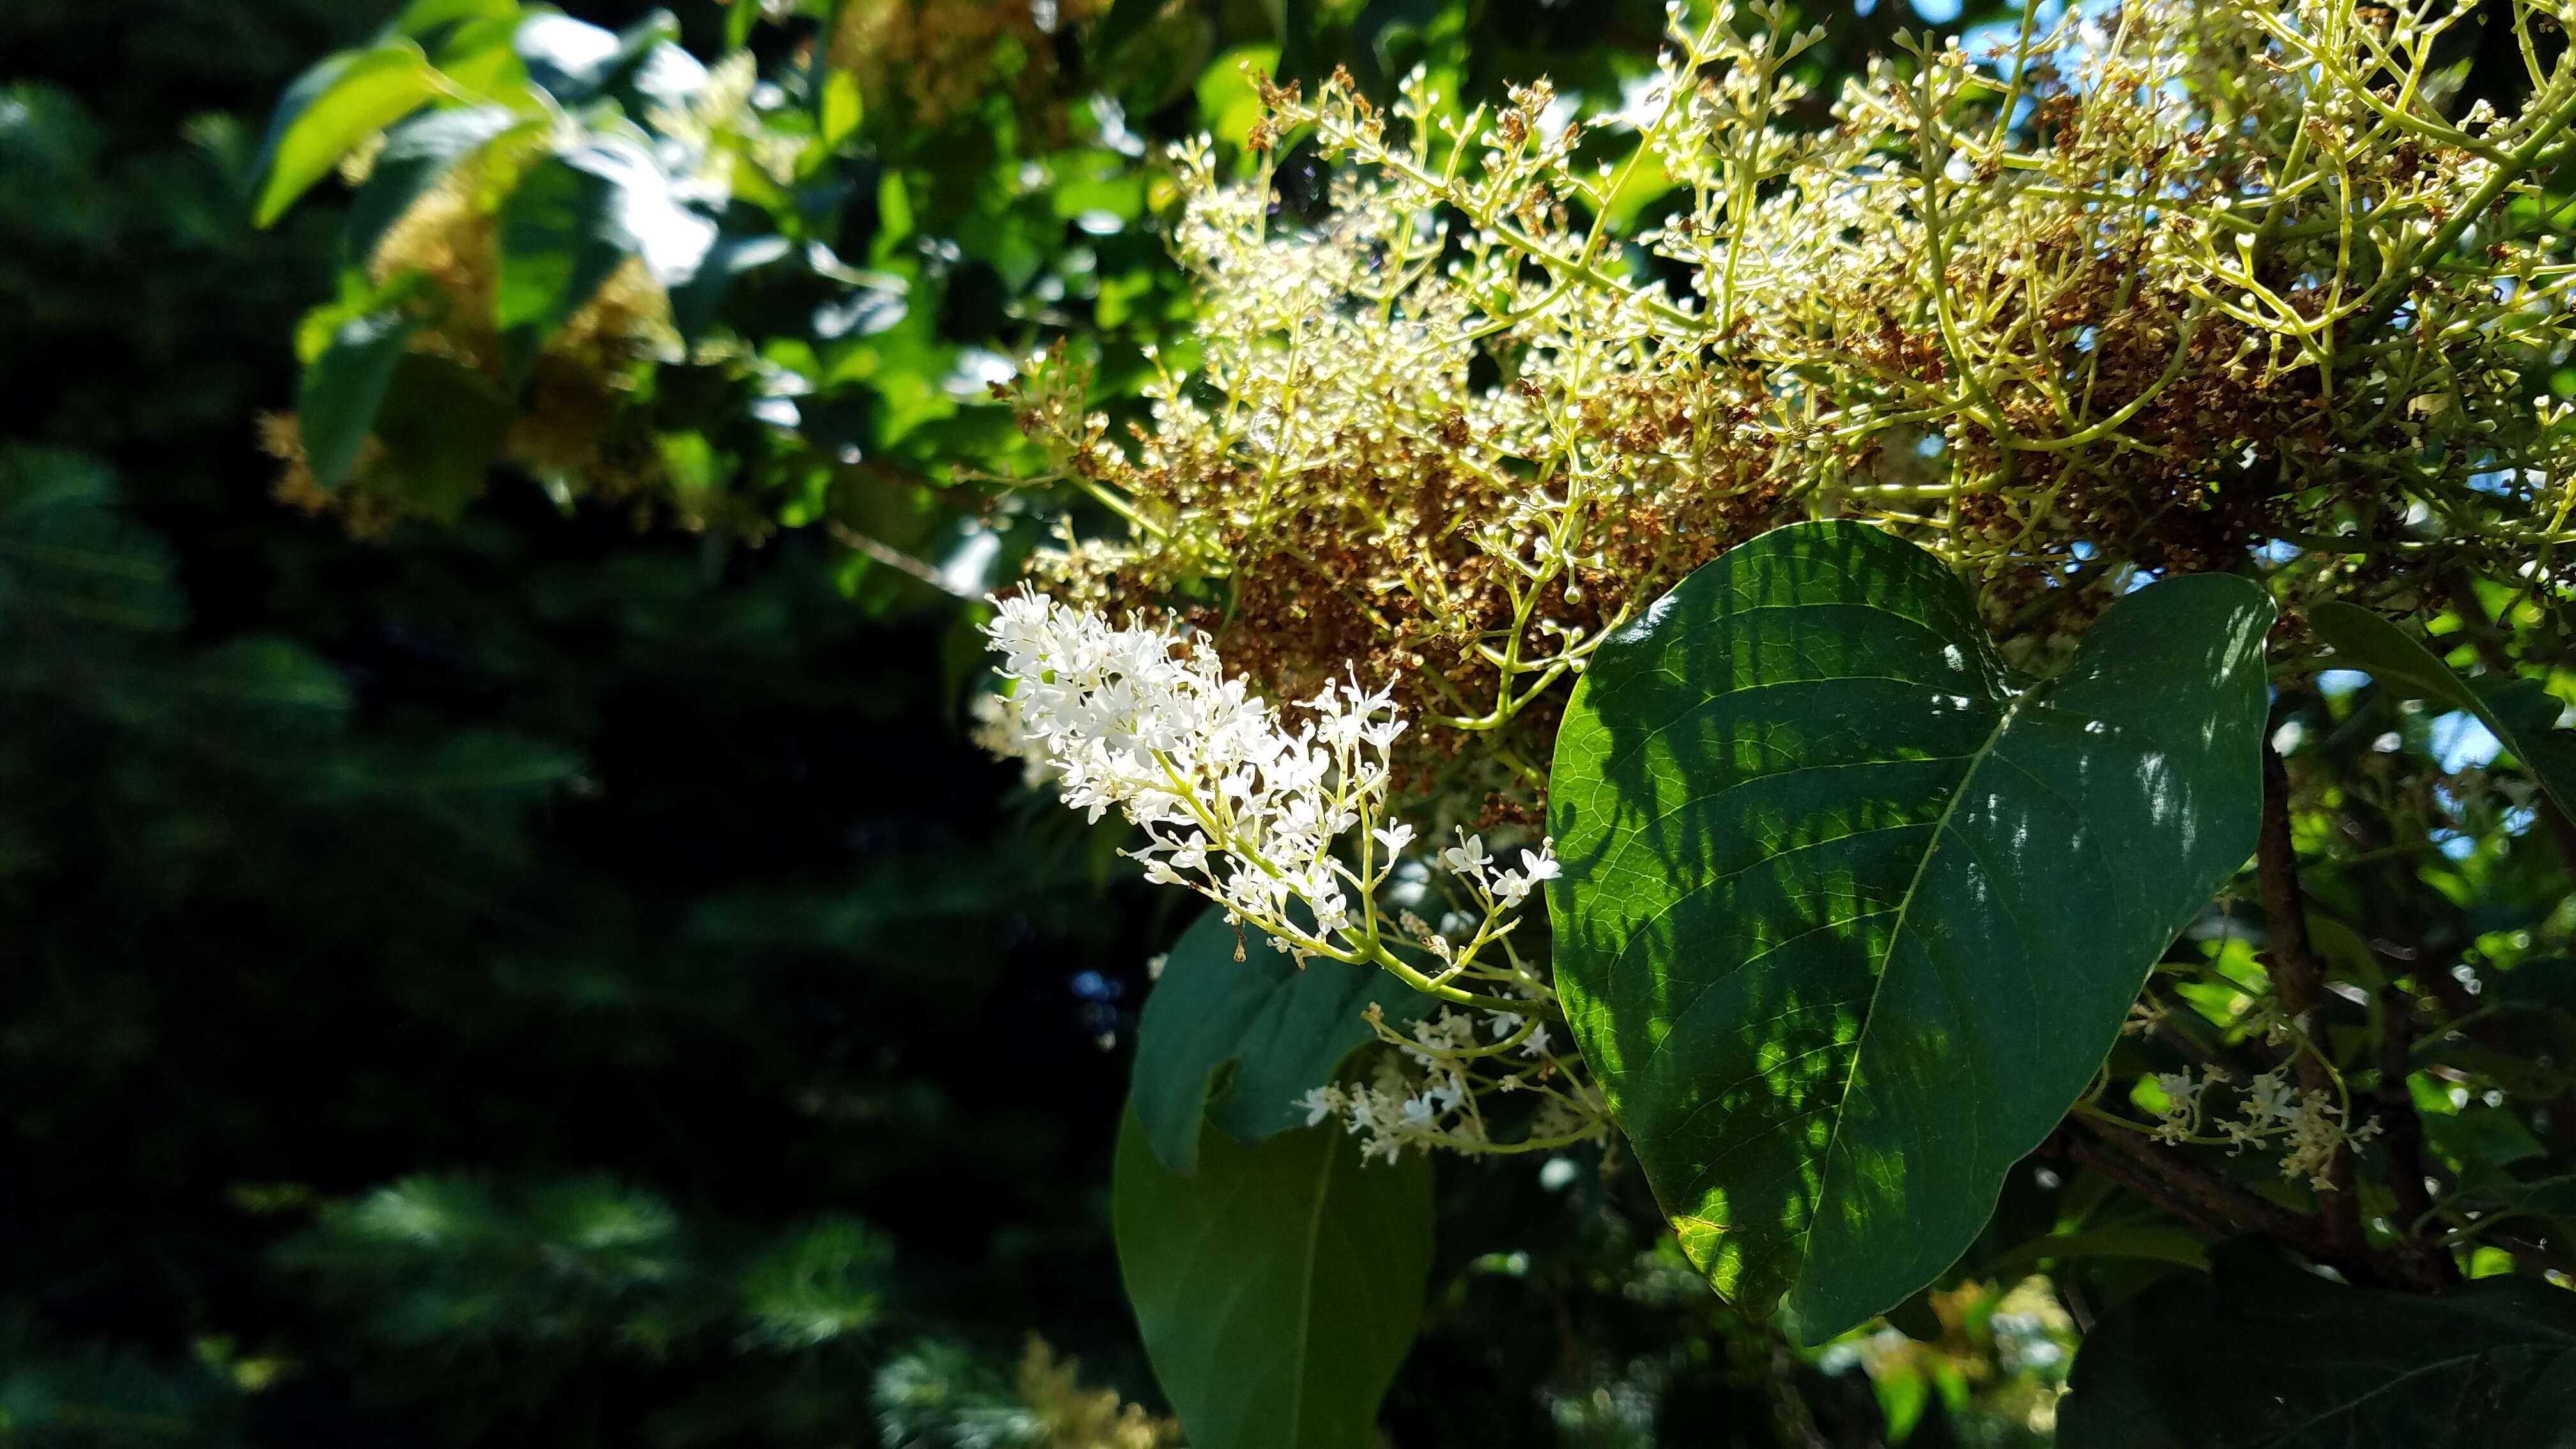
(482, 971)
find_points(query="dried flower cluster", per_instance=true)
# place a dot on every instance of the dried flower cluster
(1069, 1416)
(2179, 286)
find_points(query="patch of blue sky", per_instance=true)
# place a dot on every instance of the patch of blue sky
(2462, 741)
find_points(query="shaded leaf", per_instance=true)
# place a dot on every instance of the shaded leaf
(1277, 1290)
(1126, 19)
(2149, 1242)
(1283, 1031)
(2310, 1364)
(694, 303)
(1850, 915)
(2523, 715)
(442, 425)
(573, 220)
(332, 107)
(343, 389)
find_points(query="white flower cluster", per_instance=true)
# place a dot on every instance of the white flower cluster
(2309, 1123)
(1233, 803)
(1435, 1103)
(1288, 831)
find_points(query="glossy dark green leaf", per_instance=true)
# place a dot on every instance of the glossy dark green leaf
(332, 107)
(2264, 1356)
(1850, 915)
(2523, 715)
(1278, 1289)
(1282, 1031)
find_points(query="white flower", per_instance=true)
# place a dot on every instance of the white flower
(2268, 1099)
(1467, 858)
(1540, 864)
(1233, 802)
(1320, 1103)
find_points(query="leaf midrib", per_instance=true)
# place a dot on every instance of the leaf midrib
(1306, 1289)
(1896, 932)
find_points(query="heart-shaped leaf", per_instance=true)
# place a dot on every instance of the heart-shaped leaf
(2309, 1364)
(2523, 715)
(1277, 1290)
(1284, 1029)
(1850, 915)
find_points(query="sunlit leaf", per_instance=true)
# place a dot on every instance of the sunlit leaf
(334, 106)
(422, 16)
(840, 111)
(576, 217)
(1850, 914)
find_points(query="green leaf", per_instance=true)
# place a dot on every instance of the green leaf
(332, 107)
(1850, 915)
(840, 112)
(345, 387)
(1284, 1031)
(694, 302)
(2489, 1191)
(1278, 1289)
(422, 16)
(442, 425)
(564, 233)
(2523, 715)
(2146, 1242)
(1126, 19)
(2308, 1364)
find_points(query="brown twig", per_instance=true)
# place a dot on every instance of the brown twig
(2300, 980)
(2401, 1135)
(2203, 1196)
